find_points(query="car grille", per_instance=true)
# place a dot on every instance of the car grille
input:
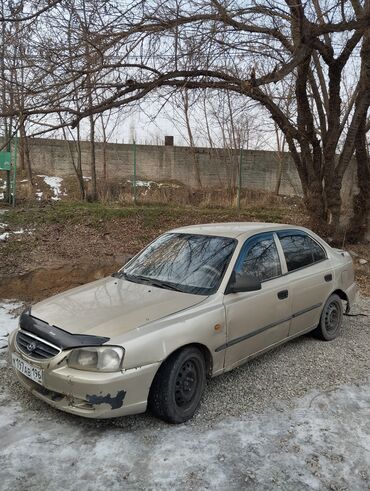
(34, 347)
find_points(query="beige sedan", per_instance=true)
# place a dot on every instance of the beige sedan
(195, 303)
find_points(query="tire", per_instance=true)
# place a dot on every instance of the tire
(330, 320)
(178, 386)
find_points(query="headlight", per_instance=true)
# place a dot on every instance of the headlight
(97, 359)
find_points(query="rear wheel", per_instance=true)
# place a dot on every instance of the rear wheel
(331, 319)
(178, 386)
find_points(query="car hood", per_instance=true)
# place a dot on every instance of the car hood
(111, 306)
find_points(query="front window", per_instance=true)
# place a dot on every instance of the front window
(184, 262)
(260, 258)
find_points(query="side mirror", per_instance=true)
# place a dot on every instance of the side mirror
(242, 283)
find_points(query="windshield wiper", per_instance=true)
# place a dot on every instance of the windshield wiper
(164, 284)
(150, 281)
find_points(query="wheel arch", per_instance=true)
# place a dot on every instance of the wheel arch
(343, 296)
(204, 350)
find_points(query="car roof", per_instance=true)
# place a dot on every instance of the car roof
(234, 229)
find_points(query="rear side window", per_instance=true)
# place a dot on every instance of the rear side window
(300, 250)
(260, 258)
(317, 251)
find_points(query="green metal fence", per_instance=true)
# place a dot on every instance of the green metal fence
(8, 164)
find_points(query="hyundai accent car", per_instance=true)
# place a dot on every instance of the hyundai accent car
(196, 302)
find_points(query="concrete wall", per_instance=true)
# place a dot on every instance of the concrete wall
(212, 167)
(215, 167)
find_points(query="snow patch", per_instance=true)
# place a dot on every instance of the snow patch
(140, 183)
(143, 184)
(7, 322)
(6, 235)
(55, 183)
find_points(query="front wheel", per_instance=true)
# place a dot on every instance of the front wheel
(178, 386)
(330, 320)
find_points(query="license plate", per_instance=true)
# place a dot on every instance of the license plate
(26, 369)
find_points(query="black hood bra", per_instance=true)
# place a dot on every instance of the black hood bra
(57, 336)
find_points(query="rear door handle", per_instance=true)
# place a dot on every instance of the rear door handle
(328, 277)
(283, 294)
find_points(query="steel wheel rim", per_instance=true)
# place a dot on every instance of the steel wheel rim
(187, 383)
(332, 317)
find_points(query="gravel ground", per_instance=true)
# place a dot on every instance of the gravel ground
(299, 415)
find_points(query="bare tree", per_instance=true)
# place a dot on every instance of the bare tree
(311, 44)
(128, 51)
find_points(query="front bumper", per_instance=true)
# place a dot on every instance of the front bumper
(88, 394)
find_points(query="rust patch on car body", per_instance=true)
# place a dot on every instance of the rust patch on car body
(114, 402)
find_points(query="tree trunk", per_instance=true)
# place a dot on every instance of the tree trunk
(94, 192)
(79, 165)
(280, 156)
(333, 201)
(25, 152)
(78, 172)
(280, 159)
(313, 198)
(105, 174)
(361, 201)
(185, 99)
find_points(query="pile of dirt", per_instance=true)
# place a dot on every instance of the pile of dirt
(39, 283)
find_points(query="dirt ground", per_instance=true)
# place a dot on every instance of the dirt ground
(45, 247)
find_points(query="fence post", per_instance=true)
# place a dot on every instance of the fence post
(134, 177)
(15, 149)
(239, 178)
(8, 172)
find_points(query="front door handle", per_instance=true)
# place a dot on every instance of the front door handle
(283, 294)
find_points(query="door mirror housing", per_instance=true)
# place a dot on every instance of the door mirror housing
(242, 283)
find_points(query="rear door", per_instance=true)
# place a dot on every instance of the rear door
(310, 277)
(258, 319)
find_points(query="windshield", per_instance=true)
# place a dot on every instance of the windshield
(183, 262)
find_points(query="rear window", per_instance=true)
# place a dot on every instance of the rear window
(300, 250)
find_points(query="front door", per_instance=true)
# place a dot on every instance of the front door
(258, 319)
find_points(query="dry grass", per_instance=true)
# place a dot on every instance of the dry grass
(174, 192)
(119, 190)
